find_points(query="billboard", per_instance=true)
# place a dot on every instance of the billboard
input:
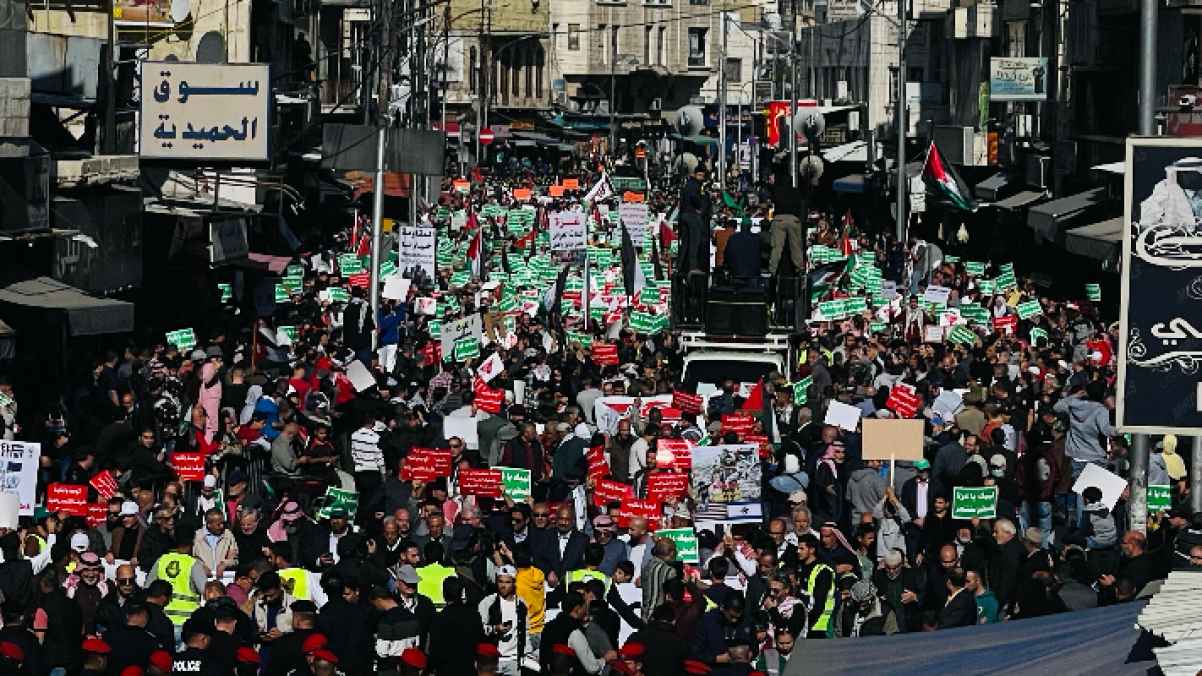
(200, 111)
(1018, 78)
(1160, 339)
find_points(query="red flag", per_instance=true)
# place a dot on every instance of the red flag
(472, 222)
(474, 255)
(846, 244)
(755, 401)
(525, 240)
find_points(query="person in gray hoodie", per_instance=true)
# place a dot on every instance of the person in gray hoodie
(865, 488)
(1098, 529)
(1089, 424)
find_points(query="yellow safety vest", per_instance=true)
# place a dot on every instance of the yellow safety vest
(583, 574)
(429, 581)
(824, 619)
(176, 568)
(296, 581)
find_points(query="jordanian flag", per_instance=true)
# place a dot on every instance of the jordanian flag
(943, 177)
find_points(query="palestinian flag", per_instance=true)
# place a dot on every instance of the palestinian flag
(824, 278)
(735, 206)
(944, 179)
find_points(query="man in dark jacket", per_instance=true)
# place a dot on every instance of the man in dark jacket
(131, 643)
(743, 254)
(1005, 558)
(663, 653)
(694, 224)
(344, 622)
(562, 549)
(961, 607)
(456, 632)
(718, 627)
(16, 574)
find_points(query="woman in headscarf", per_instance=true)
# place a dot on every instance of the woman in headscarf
(209, 398)
(248, 407)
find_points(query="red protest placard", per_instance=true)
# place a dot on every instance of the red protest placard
(571, 184)
(903, 400)
(362, 280)
(189, 466)
(605, 355)
(687, 403)
(595, 455)
(68, 498)
(485, 482)
(598, 471)
(664, 485)
(426, 464)
(1007, 324)
(739, 423)
(104, 483)
(647, 509)
(682, 452)
(488, 399)
(760, 440)
(608, 490)
(97, 512)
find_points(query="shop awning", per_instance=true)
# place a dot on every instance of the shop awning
(534, 136)
(86, 315)
(1049, 219)
(852, 183)
(1019, 200)
(856, 151)
(992, 188)
(697, 139)
(1100, 241)
(1111, 168)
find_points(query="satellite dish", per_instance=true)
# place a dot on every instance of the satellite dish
(211, 48)
(690, 121)
(180, 9)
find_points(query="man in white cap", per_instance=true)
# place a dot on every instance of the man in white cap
(504, 617)
(1177, 199)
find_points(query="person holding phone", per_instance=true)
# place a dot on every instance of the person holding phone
(504, 617)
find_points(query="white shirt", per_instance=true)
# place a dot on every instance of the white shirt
(508, 643)
(563, 543)
(920, 498)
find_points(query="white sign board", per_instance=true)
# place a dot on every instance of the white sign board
(19, 472)
(458, 328)
(416, 250)
(842, 416)
(633, 215)
(1111, 484)
(192, 111)
(567, 229)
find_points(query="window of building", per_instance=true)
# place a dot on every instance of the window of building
(699, 2)
(529, 72)
(647, 44)
(734, 70)
(519, 64)
(697, 47)
(1016, 38)
(473, 76)
(603, 36)
(573, 37)
(613, 43)
(540, 60)
(659, 45)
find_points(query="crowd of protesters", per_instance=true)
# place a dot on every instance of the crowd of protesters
(252, 566)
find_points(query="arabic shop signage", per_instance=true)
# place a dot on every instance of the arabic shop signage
(215, 112)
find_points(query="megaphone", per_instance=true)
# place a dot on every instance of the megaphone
(809, 123)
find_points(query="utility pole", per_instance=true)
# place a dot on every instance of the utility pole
(1138, 503)
(377, 226)
(901, 121)
(613, 92)
(1147, 67)
(1195, 475)
(722, 109)
(793, 40)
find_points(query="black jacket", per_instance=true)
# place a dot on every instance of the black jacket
(456, 632)
(131, 645)
(743, 255)
(960, 611)
(785, 198)
(546, 552)
(348, 629)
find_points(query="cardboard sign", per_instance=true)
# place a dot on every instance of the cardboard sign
(97, 513)
(189, 466)
(482, 482)
(426, 464)
(687, 548)
(661, 486)
(903, 400)
(488, 399)
(184, 339)
(515, 482)
(634, 508)
(689, 404)
(361, 280)
(898, 439)
(1111, 484)
(571, 184)
(1006, 324)
(606, 491)
(843, 416)
(67, 498)
(104, 483)
(682, 452)
(974, 503)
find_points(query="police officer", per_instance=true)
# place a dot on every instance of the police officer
(819, 580)
(186, 575)
(194, 658)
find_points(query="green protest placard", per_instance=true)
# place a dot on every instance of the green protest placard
(1037, 333)
(1007, 267)
(832, 310)
(987, 287)
(801, 390)
(1005, 281)
(877, 327)
(349, 264)
(974, 313)
(1094, 292)
(226, 291)
(184, 339)
(434, 326)
(855, 305)
(975, 503)
(281, 294)
(294, 270)
(1030, 308)
(1160, 498)
(339, 294)
(583, 339)
(974, 268)
(515, 482)
(387, 268)
(467, 348)
(337, 498)
(291, 331)
(643, 322)
(460, 279)
(687, 549)
(951, 259)
(961, 334)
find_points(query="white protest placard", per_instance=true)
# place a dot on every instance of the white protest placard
(416, 249)
(10, 510)
(463, 427)
(947, 404)
(396, 288)
(19, 463)
(633, 215)
(455, 329)
(1109, 483)
(842, 415)
(361, 378)
(567, 230)
(937, 295)
(426, 306)
(490, 368)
